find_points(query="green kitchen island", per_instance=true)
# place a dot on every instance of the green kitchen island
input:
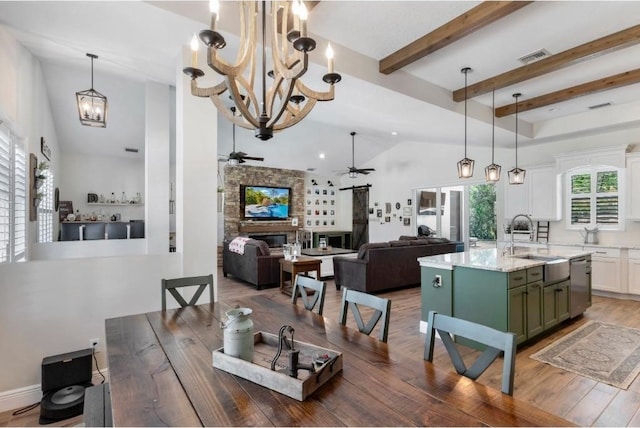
(525, 293)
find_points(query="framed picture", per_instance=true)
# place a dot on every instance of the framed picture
(408, 201)
(44, 148)
(379, 213)
(406, 212)
(407, 221)
(387, 219)
(370, 210)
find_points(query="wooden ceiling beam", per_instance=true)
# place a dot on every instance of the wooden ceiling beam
(474, 19)
(611, 82)
(589, 50)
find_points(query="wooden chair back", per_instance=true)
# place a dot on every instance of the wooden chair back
(303, 283)
(171, 286)
(496, 342)
(352, 299)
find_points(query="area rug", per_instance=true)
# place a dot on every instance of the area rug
(603, 352)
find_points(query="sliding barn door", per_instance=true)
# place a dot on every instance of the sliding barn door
(360, 217)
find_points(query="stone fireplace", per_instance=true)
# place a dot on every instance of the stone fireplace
(235, 176)
(273, 240)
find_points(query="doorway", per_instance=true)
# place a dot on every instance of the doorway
(360, 217)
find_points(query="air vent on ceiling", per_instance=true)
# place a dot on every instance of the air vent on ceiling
(130, 150)
(534, 56)
(599, 106)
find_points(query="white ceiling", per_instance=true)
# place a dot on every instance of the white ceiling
(138, 41)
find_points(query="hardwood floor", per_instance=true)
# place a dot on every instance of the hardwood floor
(578, 399)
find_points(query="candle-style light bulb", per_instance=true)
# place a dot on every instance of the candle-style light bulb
(303, 15)
(295, 7)
(194, 52)
(329, 54)
(214, 6)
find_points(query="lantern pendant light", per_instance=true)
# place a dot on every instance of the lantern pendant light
(465, 166)
(516, 175)
(92, 105)
(492, 172)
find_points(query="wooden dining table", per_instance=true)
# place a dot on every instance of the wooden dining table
(161, 374)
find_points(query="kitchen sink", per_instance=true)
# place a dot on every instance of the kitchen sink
(555, 269)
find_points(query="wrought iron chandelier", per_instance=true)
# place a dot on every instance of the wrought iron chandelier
(92, 105)
(465, 165)
(287, 100)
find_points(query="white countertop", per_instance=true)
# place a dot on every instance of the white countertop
(492, 259)
(571, 244)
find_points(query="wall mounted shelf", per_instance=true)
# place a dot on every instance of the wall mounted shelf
(109, 204)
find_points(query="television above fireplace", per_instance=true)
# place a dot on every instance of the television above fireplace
(265, 202)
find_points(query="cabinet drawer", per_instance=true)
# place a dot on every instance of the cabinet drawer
(517, 278)
(535, 274)
(603, 252)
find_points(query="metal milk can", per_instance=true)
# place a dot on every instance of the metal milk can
(238, 334)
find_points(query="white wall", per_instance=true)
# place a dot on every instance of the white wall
(55, 306)
(411, 166)
(84, 173)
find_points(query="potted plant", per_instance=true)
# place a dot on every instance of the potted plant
(40, 174)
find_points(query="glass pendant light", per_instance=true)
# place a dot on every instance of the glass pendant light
(465, 166)
(516, 175)
(492, 172)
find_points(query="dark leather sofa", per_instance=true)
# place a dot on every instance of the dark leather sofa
(382, 266)
(257, 265)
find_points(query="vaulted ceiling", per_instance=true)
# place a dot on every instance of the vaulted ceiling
(592, 59)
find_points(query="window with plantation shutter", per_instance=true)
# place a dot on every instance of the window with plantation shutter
(13, 198)
(45, 209)
(595, 198)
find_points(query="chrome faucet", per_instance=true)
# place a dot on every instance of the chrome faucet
(512, 224)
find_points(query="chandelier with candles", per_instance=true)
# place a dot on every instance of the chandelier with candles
(279, 99)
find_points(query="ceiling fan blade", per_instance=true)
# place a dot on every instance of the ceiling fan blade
(366, 169)
(253, 158)
(241, 160)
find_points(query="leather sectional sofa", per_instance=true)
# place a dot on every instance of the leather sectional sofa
(382, 266)
(257, 265)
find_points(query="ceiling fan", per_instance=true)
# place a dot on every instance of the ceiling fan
(234, 157)
(353, 171)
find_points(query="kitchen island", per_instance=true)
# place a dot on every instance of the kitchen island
(526, 293)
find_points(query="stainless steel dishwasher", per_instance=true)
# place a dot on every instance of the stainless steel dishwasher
(580, 285)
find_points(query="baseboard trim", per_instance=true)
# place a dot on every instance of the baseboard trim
(21, 397)
(27, 395)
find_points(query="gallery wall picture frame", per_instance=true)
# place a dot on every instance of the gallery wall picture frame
(406, 211)
(387, 219)
(407, 221)
(44, 148)
(379, 213)
(408, 201)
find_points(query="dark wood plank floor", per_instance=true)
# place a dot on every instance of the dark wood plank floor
(573, 397)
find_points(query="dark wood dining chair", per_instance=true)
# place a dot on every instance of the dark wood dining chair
(171, 285)
(352, 299)
(496, 342)
(303, 283)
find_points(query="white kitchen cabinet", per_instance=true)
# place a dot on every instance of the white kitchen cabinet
(539, 196)
(633, 187)
(634, 271)
(606, 269)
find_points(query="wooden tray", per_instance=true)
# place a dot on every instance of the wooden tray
(259, 371)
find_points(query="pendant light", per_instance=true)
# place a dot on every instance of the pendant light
(516, 175)
(92, 105)
(465, 166)
(492, 172)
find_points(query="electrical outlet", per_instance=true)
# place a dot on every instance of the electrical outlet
(437, 281)
(93, 343)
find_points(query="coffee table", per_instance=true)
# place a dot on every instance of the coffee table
(302, 264)
(326, 257)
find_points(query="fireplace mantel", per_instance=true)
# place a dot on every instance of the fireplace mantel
(266, 228)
